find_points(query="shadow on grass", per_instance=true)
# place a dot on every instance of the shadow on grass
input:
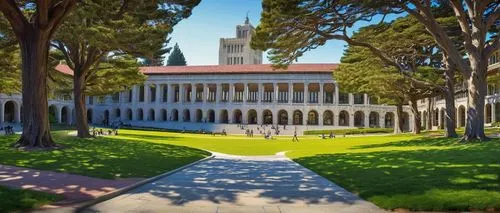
(464, 177)
(103, 157)
(433, 141)
(18, 200)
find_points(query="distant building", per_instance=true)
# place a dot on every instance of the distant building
(237, 50)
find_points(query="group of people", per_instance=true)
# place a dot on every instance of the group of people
(323, 136)
(249, 133)
(101, 132)
(9, 130)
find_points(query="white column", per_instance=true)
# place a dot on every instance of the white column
(218, 93)
(193, 95)
(290, 96)
(260, 91)
(306, 92)
(321, 95)
(171, 93)
(205, 93)
(493, 113)
(147, 98)
(275, 95)
(58, 115)
(351, 99)
(182, 95)
(367, 119)
(245, 92)
(367, 102)
(134, 94)
(351, 119)
(336, 98)
(158, 94)
(231, 91)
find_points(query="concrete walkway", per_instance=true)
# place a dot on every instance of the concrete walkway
(239, 184)
(74, 188)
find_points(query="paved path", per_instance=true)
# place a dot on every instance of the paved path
(74, 188)
(239, 184)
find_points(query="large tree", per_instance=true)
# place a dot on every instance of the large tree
(291, 27)
(176, 58)
(34, 23)
(98, 29)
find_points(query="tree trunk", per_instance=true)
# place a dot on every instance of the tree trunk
(476, 92)
(34, 53)
(82, 125)
(449, 98)
(398, 125)
(429, 113)
(417, 120)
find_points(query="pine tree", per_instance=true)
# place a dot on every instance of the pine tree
(176, 58)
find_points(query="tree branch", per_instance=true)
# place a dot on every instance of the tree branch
(15, 17)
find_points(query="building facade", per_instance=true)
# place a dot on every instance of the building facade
(438, 108)
(237, 50)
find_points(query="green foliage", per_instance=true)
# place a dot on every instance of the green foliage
(340, 132)
(176, 58)
(20, 200)
(10, 61)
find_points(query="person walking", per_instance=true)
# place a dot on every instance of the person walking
(295, 138)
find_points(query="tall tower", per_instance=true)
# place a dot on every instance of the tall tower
(237, 50)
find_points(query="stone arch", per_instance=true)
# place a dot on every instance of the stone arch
(389, 120)
(487, 112)
(343, 118)
(312, 118)
(186, 115)
(252, 116)
(129, 116)
(461, 116)
(140, 114)
(328, 118)
(199, 115)
(175, 115)
(282, 117)
(211, 116)
(10, 111)
(53, 116)
(65, 115)
(267, 117)
(151, 115)
(435, 116)
(164, 115)
(223, 116)
(105, 120)
(298, 118)
(374, 119)
(237, 116)
(359, 119)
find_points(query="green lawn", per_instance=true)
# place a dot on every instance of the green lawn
(403, 171)
(16, 200)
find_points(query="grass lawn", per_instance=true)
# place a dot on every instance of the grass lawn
(16, 200)
(403, 171)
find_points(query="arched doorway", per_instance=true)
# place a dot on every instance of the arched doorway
(65, 115)
(435, 119)
(312, 118)
(186, 115)
(89, 116)
(267, 117)
(224, 117)
(282, 117)
(461, 116)
(343, 118)
(237, 116)
(389, 120)
(199, 115)
(252, 116)
(129, 114)
(105, 120)
(374, 119)
(487, 111)
(443, 114)
(118, 114)
(359, 119)
(298, 118)
(211, 116)
(52, 114)
(328, 118)
(175, 115)
(140, 114)
(10, 111)
(406, 122)
(424, 119)
(151, 115)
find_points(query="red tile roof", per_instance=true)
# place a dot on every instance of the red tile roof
(226, 69)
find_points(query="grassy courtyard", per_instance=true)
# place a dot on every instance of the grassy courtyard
(403, 171)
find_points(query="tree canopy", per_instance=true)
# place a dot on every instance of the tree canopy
(176, 58)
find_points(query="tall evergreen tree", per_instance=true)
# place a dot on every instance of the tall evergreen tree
(176, 58)
(118, 28)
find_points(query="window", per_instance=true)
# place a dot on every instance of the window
(241, 61)
(343, 98)
(359, 99)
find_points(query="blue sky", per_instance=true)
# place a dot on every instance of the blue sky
(198, 36)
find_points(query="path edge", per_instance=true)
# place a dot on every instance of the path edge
(82, 206)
